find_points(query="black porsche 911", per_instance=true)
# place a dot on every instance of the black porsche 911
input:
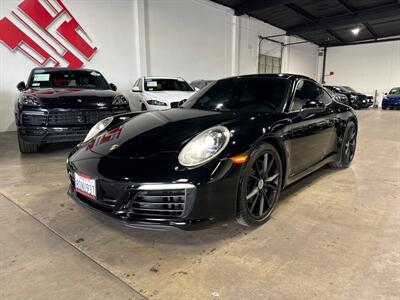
(61, 104)
(226, 153)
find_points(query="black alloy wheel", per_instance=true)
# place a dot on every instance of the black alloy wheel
(261, 183)
(348, 148)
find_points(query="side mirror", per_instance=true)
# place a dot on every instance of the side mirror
(113, 86)
(309, 104)
(21, 86)
(135, 89)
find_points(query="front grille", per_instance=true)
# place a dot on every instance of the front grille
(158, 203)
(76, 117)
(178, 103)
(362, 97)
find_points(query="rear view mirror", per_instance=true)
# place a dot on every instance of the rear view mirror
(21, 86)
(113, 86)
(135, 89)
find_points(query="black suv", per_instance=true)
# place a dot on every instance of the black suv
(356, 100)
(62, 104)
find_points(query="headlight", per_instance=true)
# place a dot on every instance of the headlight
(120, 100)
(205, 146)
(156, 102)
(29, 100)
(99, 127)
(353, 97)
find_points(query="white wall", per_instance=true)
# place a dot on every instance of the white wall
(365, 68)
(195, 39)
(110, 26)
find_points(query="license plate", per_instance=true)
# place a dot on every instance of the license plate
(85, 185)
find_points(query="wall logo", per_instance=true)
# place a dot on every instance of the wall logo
(46, 32)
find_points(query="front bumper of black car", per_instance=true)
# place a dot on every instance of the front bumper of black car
(189, 205)
(41, 135)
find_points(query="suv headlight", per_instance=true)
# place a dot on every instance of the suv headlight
(29, 100)
(120, 100)
(204, 147)
(156, 102)
(99, 127)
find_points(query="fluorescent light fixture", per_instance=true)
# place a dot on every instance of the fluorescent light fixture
(356, 30)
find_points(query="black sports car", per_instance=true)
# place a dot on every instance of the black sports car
(226, 153)
(367, 100)
(356, 100)
(60, 104)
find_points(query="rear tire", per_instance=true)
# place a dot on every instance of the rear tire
(27, 148)
(384, 107)
(260, 186)
(348, 147)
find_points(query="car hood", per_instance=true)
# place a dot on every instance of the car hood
(167, 96)
(72, 97)
(150, 133)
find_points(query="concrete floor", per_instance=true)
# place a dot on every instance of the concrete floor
(334, 235)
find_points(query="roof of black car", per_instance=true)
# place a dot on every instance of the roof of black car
(280, 75)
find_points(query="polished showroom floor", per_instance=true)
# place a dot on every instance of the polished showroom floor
(334, 235)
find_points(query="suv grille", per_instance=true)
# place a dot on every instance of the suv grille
(64, 118)
(76, 117)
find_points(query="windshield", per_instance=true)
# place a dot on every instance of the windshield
(246, 94)
(159, 84)
(349, 89)
(67, 79)
(395, 91)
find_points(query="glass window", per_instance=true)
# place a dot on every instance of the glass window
(394, 91)
(159, 84)
(67, 79)
(306, 91)
(247, 94)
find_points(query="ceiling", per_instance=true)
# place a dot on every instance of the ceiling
(326, 23)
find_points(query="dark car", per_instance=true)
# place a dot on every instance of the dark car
(392, 100)
(342, 98)
(226, 153)
(201, 83)
(61, 104)
(356, 100)
(369, 99)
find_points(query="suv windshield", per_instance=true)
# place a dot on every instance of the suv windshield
(82, 79)
(246, 94)
(159, 84)
(395, 91)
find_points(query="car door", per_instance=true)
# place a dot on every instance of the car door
(312, 132)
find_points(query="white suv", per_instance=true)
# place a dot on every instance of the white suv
(156, 93)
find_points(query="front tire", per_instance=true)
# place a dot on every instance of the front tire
(27, 148)
(348, 147)
(260, 186)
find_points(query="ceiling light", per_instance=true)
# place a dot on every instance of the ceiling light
(355, 31)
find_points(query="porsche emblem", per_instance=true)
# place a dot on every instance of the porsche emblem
(113, 147)
(79, 100)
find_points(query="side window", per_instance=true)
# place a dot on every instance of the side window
(326, 98)
(305, 91)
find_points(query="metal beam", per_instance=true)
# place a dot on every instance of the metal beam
(349, 8)
(332, 33)
(365, 15)
(371, 30)
(254, 5)
(366, 42)
(301, 12)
